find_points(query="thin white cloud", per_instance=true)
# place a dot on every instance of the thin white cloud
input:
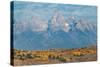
(38, 25)
(35, 25)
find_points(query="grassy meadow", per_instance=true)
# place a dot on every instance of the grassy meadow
(51, 56)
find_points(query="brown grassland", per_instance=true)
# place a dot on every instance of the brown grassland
(51, 56)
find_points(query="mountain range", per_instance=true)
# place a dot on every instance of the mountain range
(55, 33)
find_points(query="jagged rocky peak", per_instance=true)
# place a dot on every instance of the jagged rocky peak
(85, 25)
(58, 22)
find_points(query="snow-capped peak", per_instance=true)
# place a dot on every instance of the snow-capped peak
(58, 22)
(85, 25)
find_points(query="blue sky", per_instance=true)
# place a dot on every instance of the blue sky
(26, 10)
